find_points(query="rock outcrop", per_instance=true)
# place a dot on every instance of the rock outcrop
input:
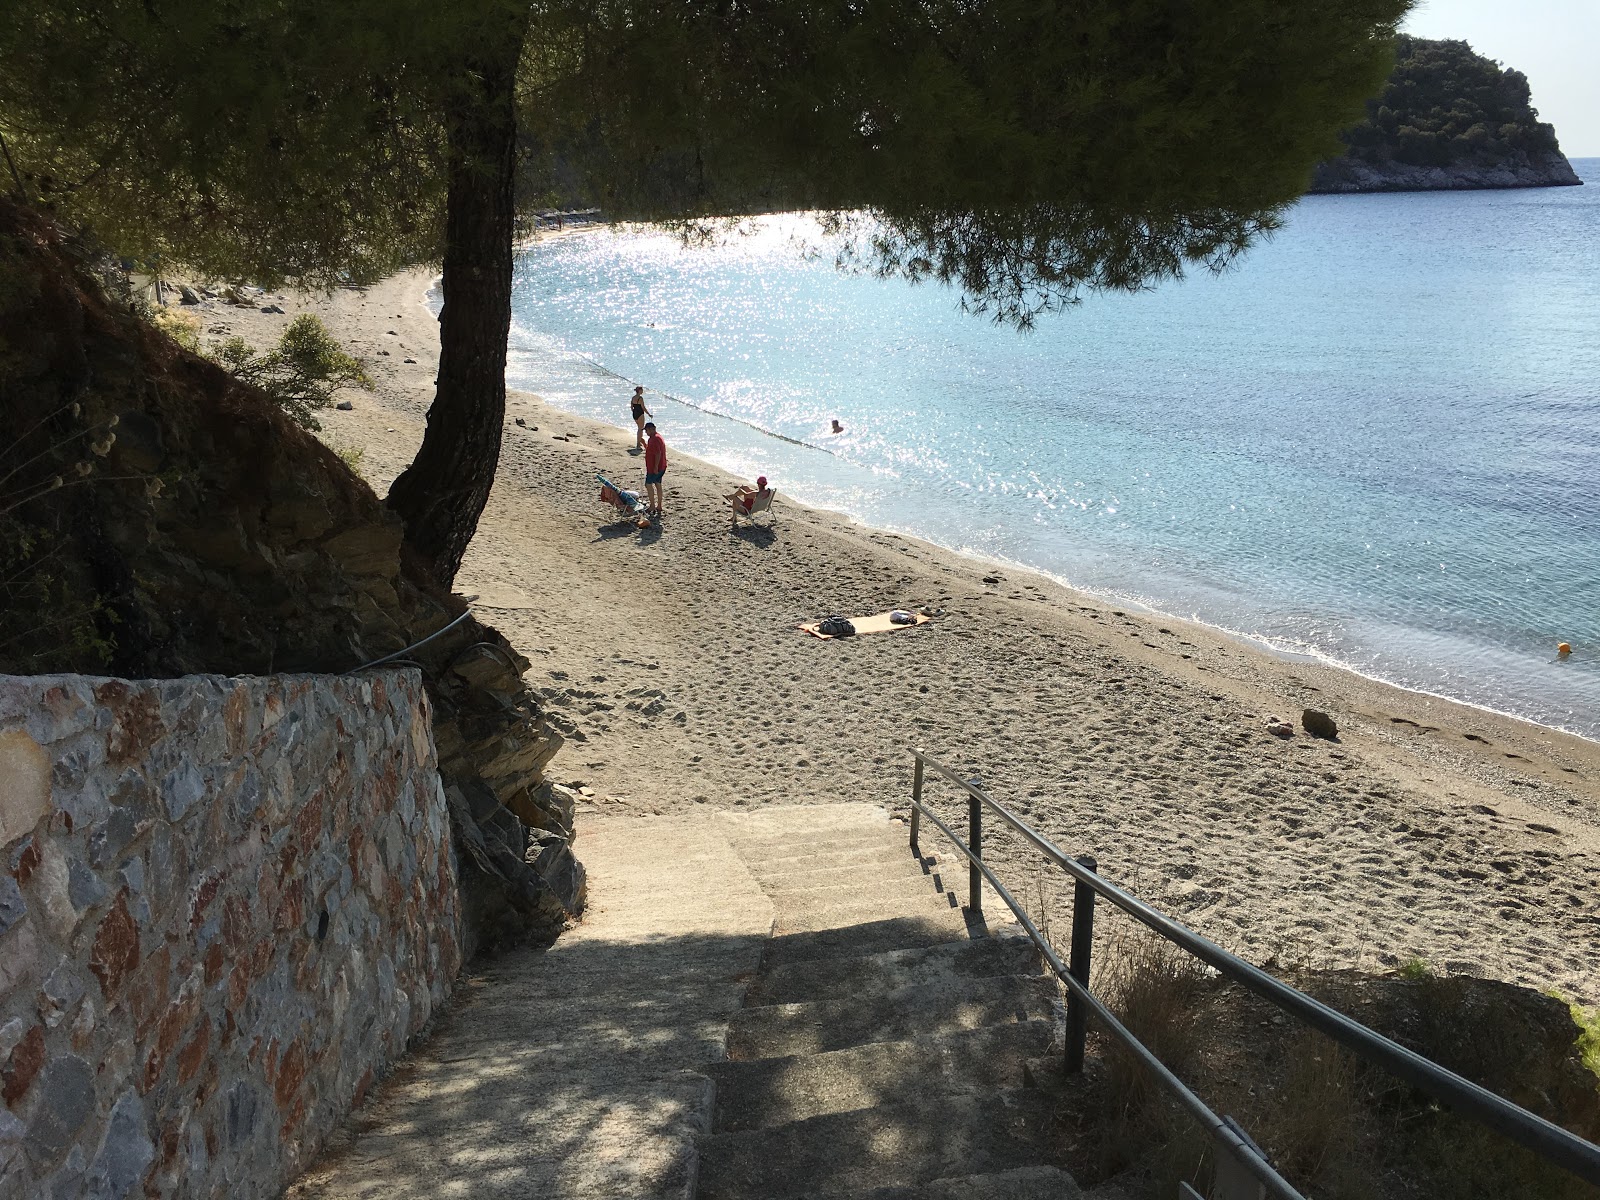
(1343, 175)
(162, 518)
(1448, 119)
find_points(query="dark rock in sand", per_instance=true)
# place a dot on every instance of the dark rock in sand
(1318, 724)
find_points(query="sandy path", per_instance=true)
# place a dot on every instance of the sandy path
(1430, 829)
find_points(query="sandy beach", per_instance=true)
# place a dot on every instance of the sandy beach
(671, 658)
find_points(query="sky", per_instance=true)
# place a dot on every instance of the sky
(1555, 43)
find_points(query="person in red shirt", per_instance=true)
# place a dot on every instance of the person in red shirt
(655, 466)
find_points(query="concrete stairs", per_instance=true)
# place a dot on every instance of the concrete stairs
(777, 1005)
(880, 1051)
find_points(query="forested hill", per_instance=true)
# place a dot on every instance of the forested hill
(1447, 119)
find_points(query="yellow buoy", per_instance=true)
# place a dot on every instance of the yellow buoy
(1563, 649)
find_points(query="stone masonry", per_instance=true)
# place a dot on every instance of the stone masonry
(225, 906)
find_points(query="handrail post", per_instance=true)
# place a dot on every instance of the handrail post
(1078, 967)
(975, 840)
(916, 803)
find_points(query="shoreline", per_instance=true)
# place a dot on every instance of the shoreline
(669, 658)
(1261, 643)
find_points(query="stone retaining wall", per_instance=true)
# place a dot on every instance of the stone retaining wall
(225, 905)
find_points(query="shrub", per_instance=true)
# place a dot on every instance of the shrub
(178, 325)
(301, 372)
(1588, 1043)
(351, 456)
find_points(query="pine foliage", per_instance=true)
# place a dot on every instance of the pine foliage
(1023, 151)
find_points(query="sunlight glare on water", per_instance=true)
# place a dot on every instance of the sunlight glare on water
(1377, 440)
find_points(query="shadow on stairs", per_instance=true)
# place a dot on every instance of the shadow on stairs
(880, 1053)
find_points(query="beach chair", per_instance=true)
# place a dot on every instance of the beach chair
(629, 506)
(761, 502)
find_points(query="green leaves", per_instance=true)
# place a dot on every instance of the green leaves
(270, 140)
(301, 373)
(1022, 150)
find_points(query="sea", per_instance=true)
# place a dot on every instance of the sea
(1373, 441)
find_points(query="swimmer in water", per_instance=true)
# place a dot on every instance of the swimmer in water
(837, 428)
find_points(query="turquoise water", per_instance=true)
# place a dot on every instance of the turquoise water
(1376, 441)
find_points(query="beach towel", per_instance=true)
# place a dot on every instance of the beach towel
(618, 497)
(879, 623)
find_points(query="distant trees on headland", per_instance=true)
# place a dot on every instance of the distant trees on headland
(1445, 104)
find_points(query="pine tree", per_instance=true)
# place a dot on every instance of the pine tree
(1021, 150)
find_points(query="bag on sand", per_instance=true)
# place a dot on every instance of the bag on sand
(836, 627)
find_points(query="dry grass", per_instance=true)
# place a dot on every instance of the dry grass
(1335, 1127)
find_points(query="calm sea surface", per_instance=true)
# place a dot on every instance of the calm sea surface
(1375, 441)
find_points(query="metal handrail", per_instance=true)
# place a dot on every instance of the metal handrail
(1217, 1126)
(1543, 1137)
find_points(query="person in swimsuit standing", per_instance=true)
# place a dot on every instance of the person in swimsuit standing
(640, 412)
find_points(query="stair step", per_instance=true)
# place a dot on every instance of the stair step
(809, 872)
(870, 976)
(796, 911)
(869, 937)
(944, 1005)
(765, 1092)
(860, 891)
(800, 914)
(819, 851)
(902, 1145)
(1023, 1183)
(790, 817)
(792, 839)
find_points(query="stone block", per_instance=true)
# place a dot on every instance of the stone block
(11, 1033)
(60, 993)
(51, 888)
(181, 790)
(136, 720)
(116, 948)
(25, 859)
(242, 1115)
(111, 836)
(148, 991)
(12, 1163)
(68, 1180)
(25, 784)
(84, 888)
(22, 1066)
(20, 957)
(12, 906)
(66, 1100)
(125, 1153)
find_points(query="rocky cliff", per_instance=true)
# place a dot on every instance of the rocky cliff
(1518, 170)
(160, 518)
(1447, 119)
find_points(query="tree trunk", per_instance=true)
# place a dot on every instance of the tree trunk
(442, 493)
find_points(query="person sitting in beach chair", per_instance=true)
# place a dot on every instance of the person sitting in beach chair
(747, 501)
